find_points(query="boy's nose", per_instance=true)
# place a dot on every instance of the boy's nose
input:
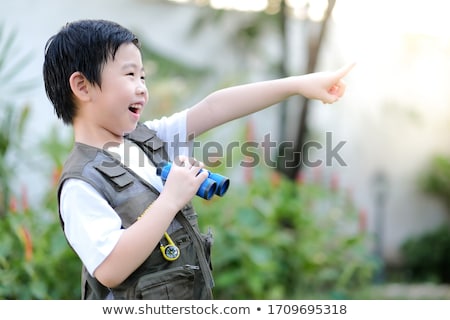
(141, 89)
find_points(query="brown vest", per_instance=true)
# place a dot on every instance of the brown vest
(188, 277)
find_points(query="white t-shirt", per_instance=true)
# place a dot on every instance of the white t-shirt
(91, 225)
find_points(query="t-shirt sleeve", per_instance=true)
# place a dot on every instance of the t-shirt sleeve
(173, 131)
(91, 225)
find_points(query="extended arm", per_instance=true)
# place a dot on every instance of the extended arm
(235, 102)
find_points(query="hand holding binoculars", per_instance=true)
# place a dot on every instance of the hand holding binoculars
(215, 184)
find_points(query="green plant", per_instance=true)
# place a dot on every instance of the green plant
(278, 239)
(170, 81)
(12, 124)
(35, 260)
(12, 63)
(426, 257)
(435, 180)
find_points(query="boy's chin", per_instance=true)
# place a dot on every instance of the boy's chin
(131, 129)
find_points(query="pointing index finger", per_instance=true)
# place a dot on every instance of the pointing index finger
(342, 72)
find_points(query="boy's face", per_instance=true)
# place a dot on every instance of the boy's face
(119, 102)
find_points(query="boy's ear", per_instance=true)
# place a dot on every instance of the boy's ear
(80, 86)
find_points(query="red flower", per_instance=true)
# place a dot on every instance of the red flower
(334, 182)
(28, 244)
(25, 205)
(56, 174)
(13, 204)
(300, 178)
(275, 178)
(362, 221)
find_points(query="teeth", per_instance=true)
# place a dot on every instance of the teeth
(135, 108)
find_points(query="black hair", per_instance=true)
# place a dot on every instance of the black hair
(84, 46)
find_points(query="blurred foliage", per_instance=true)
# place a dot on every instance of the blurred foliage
(245, 29)
(281, 239)
(276, 239)
(426, 257)
(12, 64)
(35, 260)
(170, 82)
(435, 180)
(12, 124)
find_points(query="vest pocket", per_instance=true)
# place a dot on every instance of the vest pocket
(172, 284)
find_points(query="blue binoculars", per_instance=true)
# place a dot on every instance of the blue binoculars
(215, 184)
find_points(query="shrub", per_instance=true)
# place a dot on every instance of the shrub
(278, 239)
(35, 260)
(435, 180)
(426, 257)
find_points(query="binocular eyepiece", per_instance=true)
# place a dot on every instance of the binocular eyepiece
(215, 184)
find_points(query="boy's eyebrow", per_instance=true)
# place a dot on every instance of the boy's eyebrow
(132, 65)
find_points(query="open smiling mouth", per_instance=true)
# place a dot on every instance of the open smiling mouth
(134, 108)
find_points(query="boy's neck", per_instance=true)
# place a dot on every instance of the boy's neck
(95, 137)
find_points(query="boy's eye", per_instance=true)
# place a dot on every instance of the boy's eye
(130, 74)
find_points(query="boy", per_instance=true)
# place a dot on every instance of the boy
(138, 238)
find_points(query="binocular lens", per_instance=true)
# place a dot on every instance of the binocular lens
(222, 183)
(207, 189)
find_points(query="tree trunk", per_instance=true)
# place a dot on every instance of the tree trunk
(291, 160)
